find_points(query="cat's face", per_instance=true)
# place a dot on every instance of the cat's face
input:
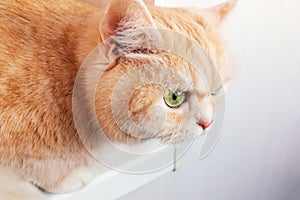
(147, 93)
(156, 96)
(169, 100)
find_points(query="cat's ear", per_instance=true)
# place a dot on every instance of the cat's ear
(214, 15)
(219, 12)
(124, 21)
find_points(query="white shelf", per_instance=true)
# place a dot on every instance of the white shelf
(112, 185)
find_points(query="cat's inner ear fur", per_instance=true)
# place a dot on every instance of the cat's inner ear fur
(126, 25)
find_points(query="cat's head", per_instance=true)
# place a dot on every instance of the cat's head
(148, 91)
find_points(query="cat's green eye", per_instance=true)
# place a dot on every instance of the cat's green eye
(174, 99)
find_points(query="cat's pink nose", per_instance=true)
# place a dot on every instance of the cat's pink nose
(205, 124)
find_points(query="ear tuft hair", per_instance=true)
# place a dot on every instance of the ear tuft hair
(128, 26)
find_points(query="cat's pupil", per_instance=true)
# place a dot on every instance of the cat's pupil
(174, 96)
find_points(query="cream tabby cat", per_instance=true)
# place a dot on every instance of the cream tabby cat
(43, 44)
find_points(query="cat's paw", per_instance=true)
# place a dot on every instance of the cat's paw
(74, 181)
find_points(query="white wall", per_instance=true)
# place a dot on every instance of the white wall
(258, 156)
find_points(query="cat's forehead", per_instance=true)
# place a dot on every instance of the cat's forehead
(171, 71)
(193, 77)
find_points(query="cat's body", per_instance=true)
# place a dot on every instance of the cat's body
(42, 45)
(37, 70)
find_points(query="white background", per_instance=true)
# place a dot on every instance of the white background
(258, 156)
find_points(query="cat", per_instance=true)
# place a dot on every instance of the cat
(43, 44)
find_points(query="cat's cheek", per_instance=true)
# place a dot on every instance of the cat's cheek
(194, 130)
(140, 119)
